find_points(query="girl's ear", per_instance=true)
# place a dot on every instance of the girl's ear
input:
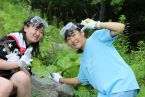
(25, 28)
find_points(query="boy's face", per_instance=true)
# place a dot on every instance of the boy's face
(33, 34)
(76, 39)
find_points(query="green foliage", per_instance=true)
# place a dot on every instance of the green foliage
(85, 91)
(67, 60)
(117, 2)
(82, 92)
(38, 70)
(113, 2)
(122, 43)
(95, 1)
(137, 62)
(141, 92)
(52, 34)
(12, 16)
(58, 57)
(134, 58)
(72, 71)
(41, 70)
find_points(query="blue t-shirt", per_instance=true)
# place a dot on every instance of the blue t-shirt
(102, 66)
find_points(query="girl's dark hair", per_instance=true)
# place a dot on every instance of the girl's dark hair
(27, 22)
(36, 51)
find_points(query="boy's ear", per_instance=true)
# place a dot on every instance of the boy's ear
(82, 33)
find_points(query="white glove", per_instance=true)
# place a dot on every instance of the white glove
(12, 57)
(25, 60)
(90, 24)
(55, 77)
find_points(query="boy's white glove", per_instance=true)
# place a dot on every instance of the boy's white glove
(90, 24)
(55, 77)
(12, 57)
(25, 60)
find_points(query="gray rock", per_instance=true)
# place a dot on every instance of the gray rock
(44, 87)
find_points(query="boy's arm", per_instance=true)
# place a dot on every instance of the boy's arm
(69, 80)
(59, 79)
(114, 27)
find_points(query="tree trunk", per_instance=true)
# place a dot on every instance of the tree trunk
(102, 11)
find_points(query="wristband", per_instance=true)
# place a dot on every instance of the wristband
(22, 64)
(98, 24)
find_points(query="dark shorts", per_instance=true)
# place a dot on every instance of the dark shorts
(13, 95)
(6, 73)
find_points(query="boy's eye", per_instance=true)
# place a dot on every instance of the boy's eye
(73, 34)
(42, 32)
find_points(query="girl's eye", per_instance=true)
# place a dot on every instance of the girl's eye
(41, 31)
(36, 29)
(68, 39)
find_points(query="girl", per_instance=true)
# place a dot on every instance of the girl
(16, 50)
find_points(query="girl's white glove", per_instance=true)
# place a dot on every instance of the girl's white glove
(55, 77)
(25, 60)
(12, 57)
(90, 24)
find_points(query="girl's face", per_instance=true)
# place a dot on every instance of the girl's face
(33, 34)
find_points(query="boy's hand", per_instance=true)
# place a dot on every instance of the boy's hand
(90, 24)
(55, 77)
